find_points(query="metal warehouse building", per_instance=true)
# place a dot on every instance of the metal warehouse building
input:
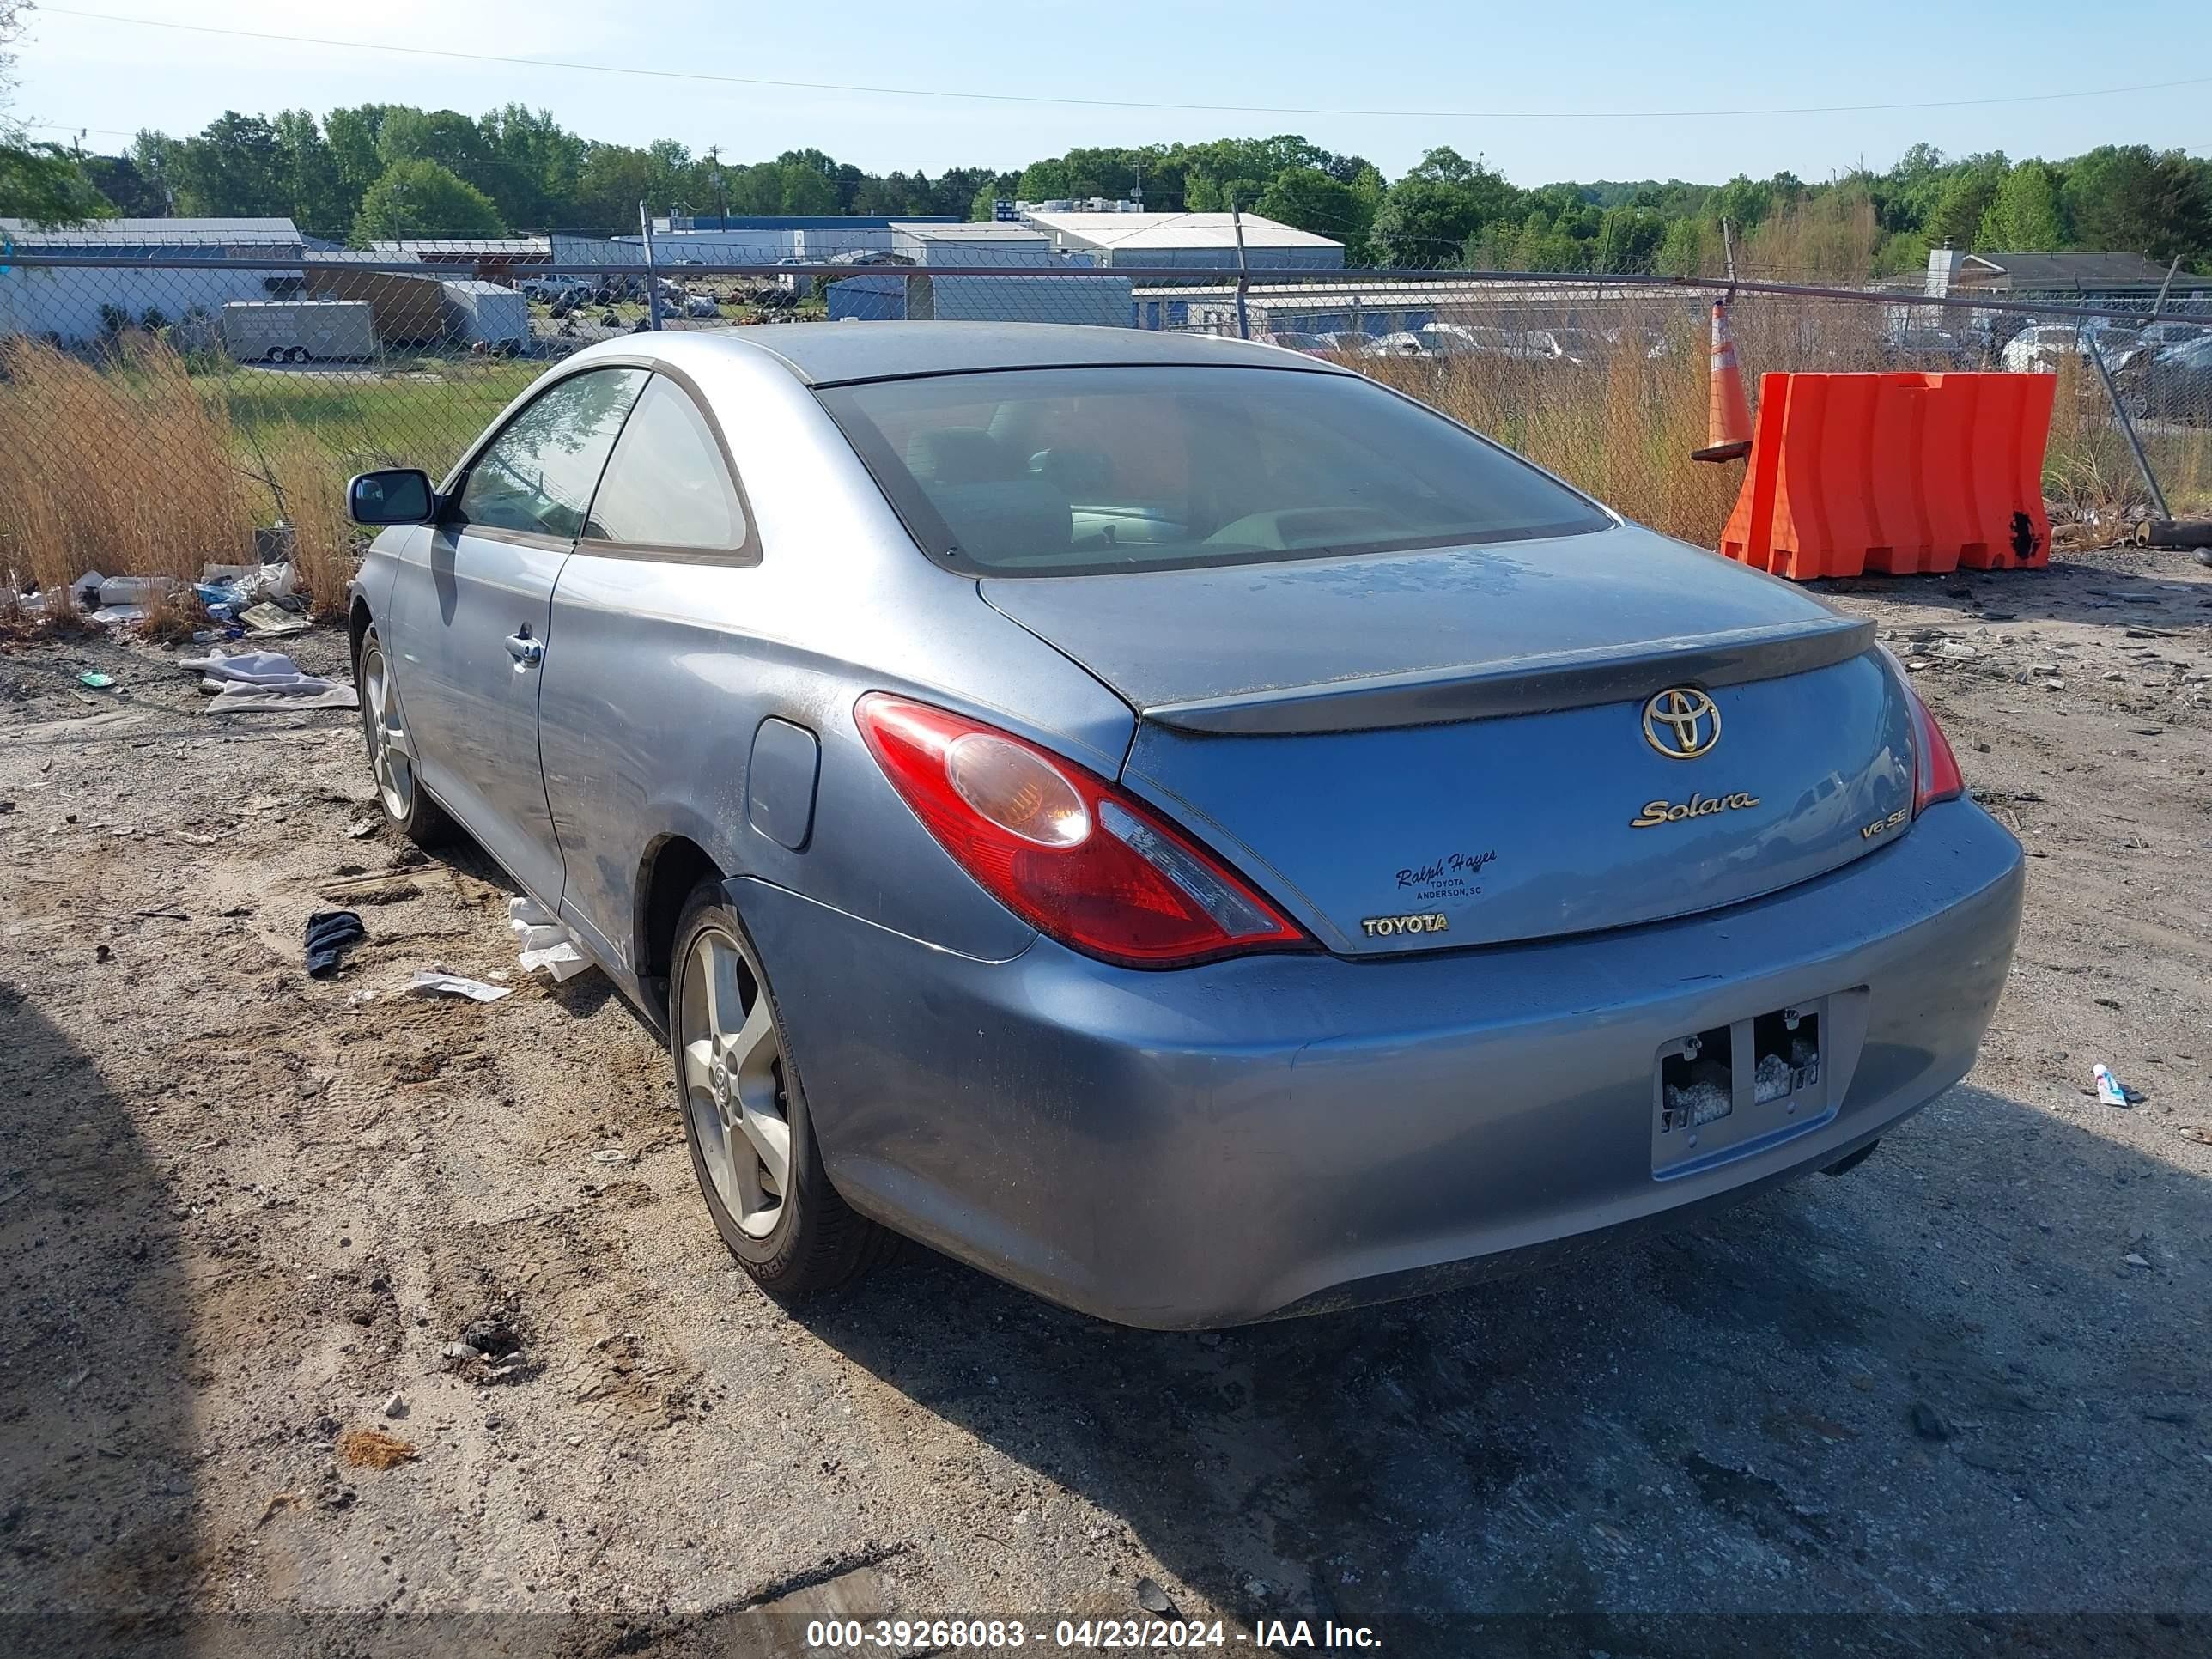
(1198, 241)
(76, 303)
(1101, 301)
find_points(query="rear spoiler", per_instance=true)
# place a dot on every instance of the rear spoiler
(1526, 685)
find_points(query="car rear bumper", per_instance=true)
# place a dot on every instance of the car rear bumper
(1281, 1133)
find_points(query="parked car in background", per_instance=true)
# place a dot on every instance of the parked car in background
(1172, 823)
(1405, 342)
(2157, 337)
(2174, 384)
(1933, 349)
(2040, 347)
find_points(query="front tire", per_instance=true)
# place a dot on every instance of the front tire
(744, 1115)
(399, 792)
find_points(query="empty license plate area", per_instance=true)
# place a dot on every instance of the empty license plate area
(1720, 1090)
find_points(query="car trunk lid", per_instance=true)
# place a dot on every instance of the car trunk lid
(1420, 751)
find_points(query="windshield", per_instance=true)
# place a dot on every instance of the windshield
(1079, 470)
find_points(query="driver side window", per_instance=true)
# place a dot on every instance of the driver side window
(538, 476)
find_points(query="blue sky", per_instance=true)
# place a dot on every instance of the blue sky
(1576, 63)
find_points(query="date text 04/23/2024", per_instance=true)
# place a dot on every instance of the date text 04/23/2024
(1163, 1635)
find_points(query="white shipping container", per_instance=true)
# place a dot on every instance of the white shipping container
(299, 330)
(487, 314)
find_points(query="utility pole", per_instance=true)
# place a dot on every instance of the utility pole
(1244, 270)
(652, 282)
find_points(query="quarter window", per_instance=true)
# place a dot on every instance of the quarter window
(538, 476)
(666, 485)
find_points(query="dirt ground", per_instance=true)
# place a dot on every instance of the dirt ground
(1957, 1400)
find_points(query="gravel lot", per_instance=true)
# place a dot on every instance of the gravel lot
(240, 1210)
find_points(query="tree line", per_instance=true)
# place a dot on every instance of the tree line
(379, 172)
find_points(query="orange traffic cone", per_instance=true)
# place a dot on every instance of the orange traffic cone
(1728, 413)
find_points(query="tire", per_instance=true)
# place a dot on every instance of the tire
(400, 796)
(791, 1231)
(1845, 1165)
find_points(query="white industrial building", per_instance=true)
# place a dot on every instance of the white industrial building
(1196, 241)
(985, 242)
(75, 304)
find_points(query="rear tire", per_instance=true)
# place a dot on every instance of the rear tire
(744, 1115)
(399, 794)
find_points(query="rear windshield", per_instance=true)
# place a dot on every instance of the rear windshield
(1064, 471)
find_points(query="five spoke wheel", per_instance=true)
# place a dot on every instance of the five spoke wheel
(732, 1071)
(391, 752)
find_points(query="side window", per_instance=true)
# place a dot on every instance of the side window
(538, 474)
(666, 485)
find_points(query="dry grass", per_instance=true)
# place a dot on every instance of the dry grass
(1621, 424)
(307, 485)
(121, 467)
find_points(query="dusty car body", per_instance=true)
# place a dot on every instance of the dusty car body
(1168, 821)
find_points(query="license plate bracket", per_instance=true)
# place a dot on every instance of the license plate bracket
(1733, 1089)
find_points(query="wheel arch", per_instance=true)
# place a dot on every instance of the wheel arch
(357, 626)
(671, 867)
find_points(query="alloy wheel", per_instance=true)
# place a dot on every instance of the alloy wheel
(391, 752)
(733, 1080)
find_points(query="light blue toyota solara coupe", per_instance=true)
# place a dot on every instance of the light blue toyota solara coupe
(1170, 822)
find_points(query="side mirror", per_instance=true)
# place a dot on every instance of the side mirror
(399, 494)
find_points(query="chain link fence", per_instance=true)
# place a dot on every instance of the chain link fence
(160, 412)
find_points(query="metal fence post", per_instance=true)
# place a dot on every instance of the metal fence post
(2096, 356)
(2095, 353)
(1243, 271)
(651, 280)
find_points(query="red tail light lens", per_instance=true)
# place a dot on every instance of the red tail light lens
(1063, 849)
(1936, 768)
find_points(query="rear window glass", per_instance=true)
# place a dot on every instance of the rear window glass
(1077, 470)
(666, 485)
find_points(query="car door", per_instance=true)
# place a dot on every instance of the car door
(471, 614)
(651, 696)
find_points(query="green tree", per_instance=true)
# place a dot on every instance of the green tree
(235, 168)
(1423, 223)
(119, 179)
(1312, 200)
(1964, 196)
(1430, 216)
(420, 198)
(530, 165)
(316, 196)
(352, 137)
(1683, 251)
(44, 184)
(2132, 198)
(447, 137)
(2024, 216)
(1628, 239)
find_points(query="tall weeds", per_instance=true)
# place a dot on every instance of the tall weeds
(118, 467)
(308, 484)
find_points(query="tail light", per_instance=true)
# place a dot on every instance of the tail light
(1063, 849)
(1934, 767)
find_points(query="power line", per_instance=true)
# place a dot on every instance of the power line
(1125, 103)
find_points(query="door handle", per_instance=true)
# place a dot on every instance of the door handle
(523, 649)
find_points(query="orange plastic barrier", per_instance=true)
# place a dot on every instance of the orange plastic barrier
(1894, 473)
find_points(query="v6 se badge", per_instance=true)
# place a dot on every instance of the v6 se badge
(1896, 820)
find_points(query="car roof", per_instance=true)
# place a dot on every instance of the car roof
(831, 354)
